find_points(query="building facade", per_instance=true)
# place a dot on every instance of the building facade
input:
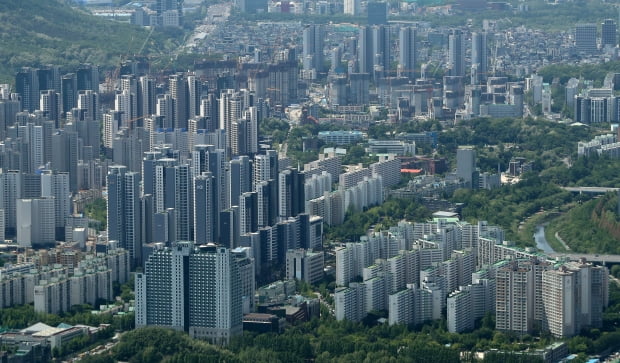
(194, 289)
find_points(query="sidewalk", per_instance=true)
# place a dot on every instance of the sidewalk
(557, 236)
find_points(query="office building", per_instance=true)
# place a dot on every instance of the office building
(49, 78)
(365, 54)
(169, 13)
(267, 202)
(291, 199)
(585, 38)
(146, 97)
(609, 33)
(230, 110)
(381, 48)
(313, 44)
(265, 167)
(194, 289)
(124, 216)
(377, 12)
(203, 211)
(245, 261)
(479, 57)
(68, 92)
(253, 6)
(179, 92)
(352, 7)
(89, 101)
(49, 103)
(240, 178)
(35, 222)
(304, 265)
(456, 54)
(466, 165)
(27, 85)
(87, 77)
(8, 112)
(407, 57)
(56, 185)
(311, 231)
(12, 190)
(359, 85)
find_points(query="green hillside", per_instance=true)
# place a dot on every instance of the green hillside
(592, 227)
(36, 32)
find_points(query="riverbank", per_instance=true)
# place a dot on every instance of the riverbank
(541, 240)
(529, 228)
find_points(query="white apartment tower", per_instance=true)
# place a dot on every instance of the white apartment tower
(35, 222)
(514, 300)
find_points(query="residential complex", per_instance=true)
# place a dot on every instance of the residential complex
(205, 206)
(416, 269)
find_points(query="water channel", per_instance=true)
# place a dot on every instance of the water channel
(541, 241)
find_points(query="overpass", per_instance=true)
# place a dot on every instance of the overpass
(594, 190)
(589, 257)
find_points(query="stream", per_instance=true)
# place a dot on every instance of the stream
(541, 241)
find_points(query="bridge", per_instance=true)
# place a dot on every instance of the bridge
(589, 257)
(595, 190)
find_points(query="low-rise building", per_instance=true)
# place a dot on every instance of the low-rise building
(304, 265)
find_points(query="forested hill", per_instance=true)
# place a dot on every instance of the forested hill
(38, 32)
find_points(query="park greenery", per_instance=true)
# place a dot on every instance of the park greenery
(545, 143)
(564, 72)
(379, 217)
(510, 205)
(97, 212)
(20, 317)
(587, 224)
(327, 340)
(497, 141)
(539, 192)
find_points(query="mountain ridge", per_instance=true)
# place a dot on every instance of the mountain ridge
(39, 32)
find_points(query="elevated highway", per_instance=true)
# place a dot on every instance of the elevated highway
(589, 257)
(594, 190)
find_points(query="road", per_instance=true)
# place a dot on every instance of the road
(557, 236)
(217, 15)
(596, 190)
(588, 257)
